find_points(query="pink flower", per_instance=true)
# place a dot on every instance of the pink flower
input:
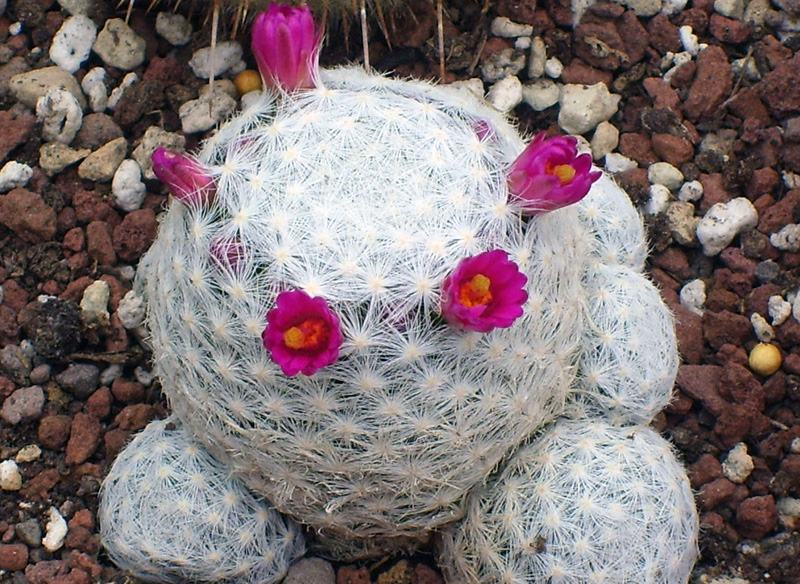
(286, 47)
(549, 175)
(303, 334)
(227, 253)
(484, 292)
(188, 180)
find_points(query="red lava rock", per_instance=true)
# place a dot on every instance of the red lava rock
(779, 214)
(14, 295)
(352, 575)
(135, 417)
(791, 157)
(738, 383)
(662, 93)
(13, 557)
(689, 331)
(759, 298)
(117, 290)
(54, 431)
(728, 30)
(711, 86)
(128, 391)
(706, 469)
(75, 576)
(637, 146)
(38, 486)
(788, 334)
(7, 387)
(45, 572)
(115, 441)
(791, 364)
(580, 73)
(90, 207)
(75, 239)
(756, 517)
(17, 130)
(714, 191)
(747, 105)
(76, 288)
(715, 493)
(729, 355)
(672, 149)
(85, 435)
(135, 234)
(674, 261)
(97, 130)
(736, 422)
(694, 17)
(664, 35)
(701, 382)
(99, 243)
(9, 329)
(791, 466)
(780, 89)
(26, 214)
(81, 538)
(734, 259)
(427, 575)
(775, 388)
(725, 327)
(99, 403)
(634, 37)
(600, 45)
(116, 335)
(66, 219)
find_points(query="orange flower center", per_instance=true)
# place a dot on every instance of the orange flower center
(564, 172)
(475, 292)
(311, 334)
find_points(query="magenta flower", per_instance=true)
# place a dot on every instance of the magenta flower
(286, 47)
(188, 180)
(484, 292)
(549, 175)
(303, 334)
(227, 252)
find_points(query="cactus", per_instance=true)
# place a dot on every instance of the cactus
(169, 512)
(584, 502)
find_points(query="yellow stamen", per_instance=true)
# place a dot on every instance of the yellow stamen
(475, 292)
(309, 334)
(564, 172)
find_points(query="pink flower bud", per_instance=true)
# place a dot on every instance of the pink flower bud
(303, 334)
(484, 292)
(549, 175)
(188, 180)
(286, 47)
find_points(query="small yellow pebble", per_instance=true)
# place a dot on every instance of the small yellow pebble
(765, 359)
(247, 81)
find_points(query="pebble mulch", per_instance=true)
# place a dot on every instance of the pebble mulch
(694, 107)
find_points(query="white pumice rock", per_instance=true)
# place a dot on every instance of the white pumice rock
(763, 330)
(10, 477)
(693, 296)
(682, 222)
(144, 376)
(747, 67)
(689, 40)
(789, 512)
(506, 28)
(72, 44)
(663, 173)
(94, 86)
(779, 309)
(127, 189)
(604, 140)
(94, 303)
(131, 310)
(117, 92)
(174, 28)
(659, 201)
(756, 11)
(677, 61)
(790, 179)
(119, 46)
(30, 86)
(60, 114)
(153, 138)
(199, 115)
(788, 238)
(506, 94)
(691, 191)
(553, 68)
(3, 4)
(251, 98)
(227, 57)
(724, 221)
(738, 465)
(14, 174)
(730, 8)
(538, 58)
(55, 531)
(502, 64)
(672, 7)
(583, 107)
(76, 7)
(540, 94)
(644, 8)
(56, 156)
(473, 85)
(15, 28)
(110, 373)
(796, 307)
(616, 163)
(522, 43)
(101, 164)
(794, 447)
(28, 453)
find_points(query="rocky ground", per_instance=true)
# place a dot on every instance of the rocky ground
(696, 110)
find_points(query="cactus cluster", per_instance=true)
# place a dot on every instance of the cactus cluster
(362, 302)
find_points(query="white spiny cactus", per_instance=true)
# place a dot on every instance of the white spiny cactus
(169, 512)
(584, 502)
